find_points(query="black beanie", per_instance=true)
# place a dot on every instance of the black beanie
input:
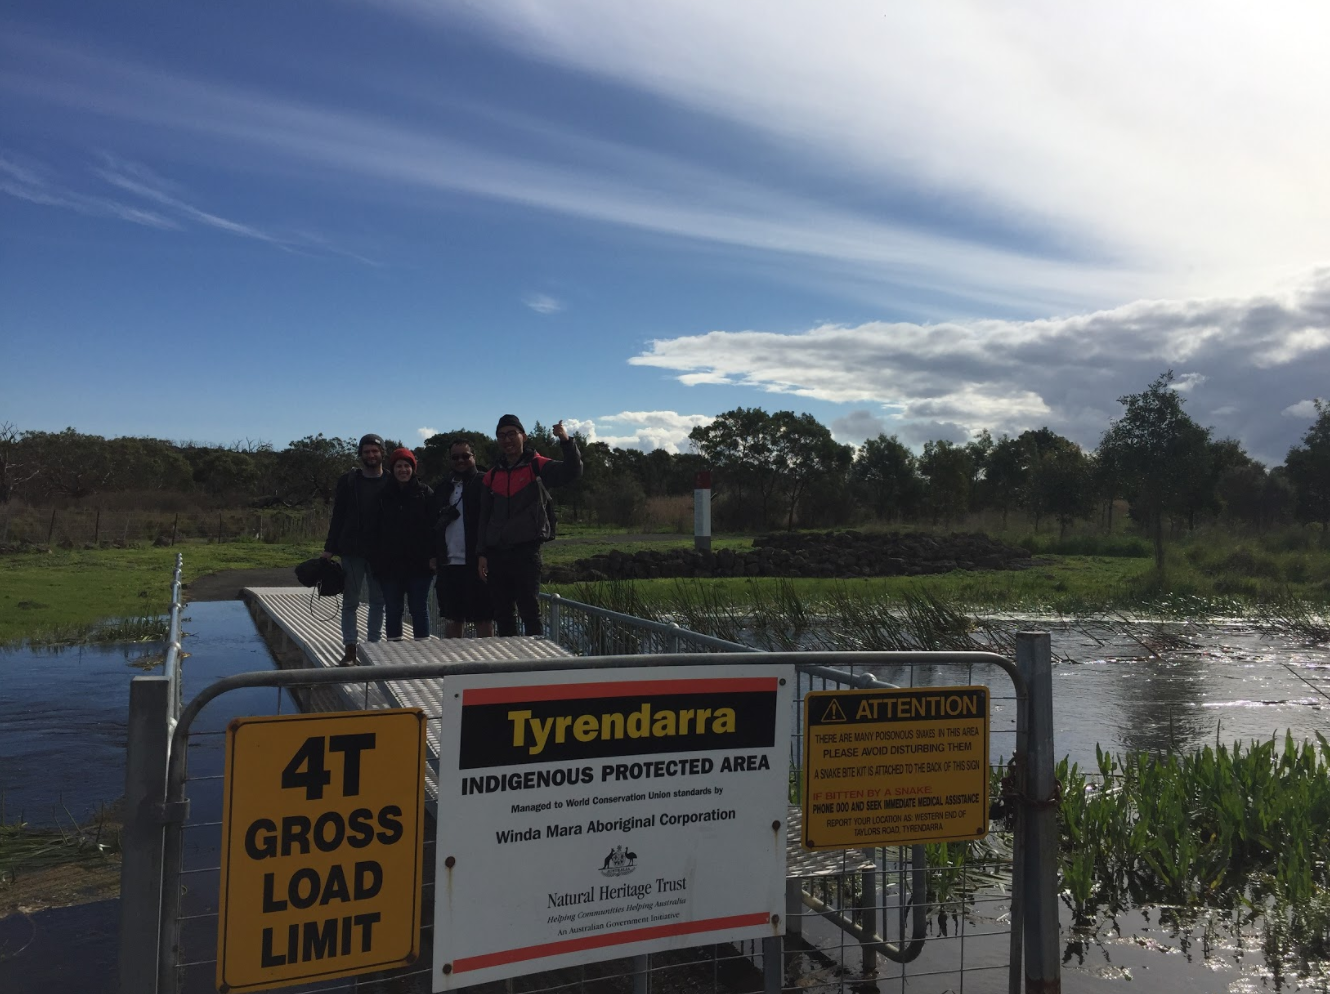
(509, 421)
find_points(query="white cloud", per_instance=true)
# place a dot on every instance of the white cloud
(426, 433)
(543, 303)
(857, 426)
(1302, 409)
(1011, 375)
(1186, 382)
(645, 430)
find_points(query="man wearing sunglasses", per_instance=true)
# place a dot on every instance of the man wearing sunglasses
(514, 521)
(463, 596)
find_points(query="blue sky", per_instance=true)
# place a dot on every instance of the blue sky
(260, 221)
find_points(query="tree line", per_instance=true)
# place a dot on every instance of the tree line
(770, 469)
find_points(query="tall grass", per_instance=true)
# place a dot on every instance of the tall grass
(1244, 829)
(25, 849)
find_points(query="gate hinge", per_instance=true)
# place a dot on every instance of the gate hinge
(172, 812)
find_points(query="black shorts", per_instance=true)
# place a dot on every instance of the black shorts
(462, 595)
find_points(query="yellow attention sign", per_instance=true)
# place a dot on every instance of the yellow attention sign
(322, 824)
(888, 767)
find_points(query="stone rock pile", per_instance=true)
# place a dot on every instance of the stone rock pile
(825, 554)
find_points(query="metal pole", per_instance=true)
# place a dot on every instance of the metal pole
(1043, 965)
(642, 974)
(141, 839)
(868, 912)
(702, 511)
(773, 974)
(554, 619)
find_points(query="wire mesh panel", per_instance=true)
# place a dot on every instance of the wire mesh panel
(933, 918)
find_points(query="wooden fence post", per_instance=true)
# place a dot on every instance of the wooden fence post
(51, 530)
(174, 524)
(97, 528)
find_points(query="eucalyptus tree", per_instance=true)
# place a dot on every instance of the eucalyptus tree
(1308, 469)
(889, 471)
(947, 470)
(1157, 451)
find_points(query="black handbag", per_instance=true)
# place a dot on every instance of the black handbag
(324, 574)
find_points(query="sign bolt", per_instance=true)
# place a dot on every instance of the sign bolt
(447, 968)
(775, 919)
(775, 826)
(450, 862)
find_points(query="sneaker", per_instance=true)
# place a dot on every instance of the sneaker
(348, 655)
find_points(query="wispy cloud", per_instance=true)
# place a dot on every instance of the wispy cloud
(132, 177)
(1092, 120)
(32, 184)
(426, 433)
(543, 303)
(167, 208)
(589, 178)
(1065, 372)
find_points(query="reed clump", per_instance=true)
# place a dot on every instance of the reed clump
(1244, 830)
(25, 848)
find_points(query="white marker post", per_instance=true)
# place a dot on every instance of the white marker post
(702, 511)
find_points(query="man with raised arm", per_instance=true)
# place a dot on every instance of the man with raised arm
(514, 521)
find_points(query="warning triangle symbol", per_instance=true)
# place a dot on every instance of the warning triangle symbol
(833, 712)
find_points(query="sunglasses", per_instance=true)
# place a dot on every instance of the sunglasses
(463, 457)
(510, 433)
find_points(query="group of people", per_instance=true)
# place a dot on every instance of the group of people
(476, 534)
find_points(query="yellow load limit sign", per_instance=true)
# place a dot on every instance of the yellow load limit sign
(322, 824)
(890, 767)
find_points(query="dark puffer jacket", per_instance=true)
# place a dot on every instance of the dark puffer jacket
(404, 533)
(511, 515)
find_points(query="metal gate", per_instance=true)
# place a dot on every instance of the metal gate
(943, 917)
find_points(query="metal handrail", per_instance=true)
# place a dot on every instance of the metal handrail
(174, 654)
(557, 602)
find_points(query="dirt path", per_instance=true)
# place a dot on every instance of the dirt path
(226, 584)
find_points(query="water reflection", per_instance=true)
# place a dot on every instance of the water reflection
(76, 762)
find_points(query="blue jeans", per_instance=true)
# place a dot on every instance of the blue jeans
(357, 572)
(416, 591)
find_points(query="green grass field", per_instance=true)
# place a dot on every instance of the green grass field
(64, 595)
(60, 595)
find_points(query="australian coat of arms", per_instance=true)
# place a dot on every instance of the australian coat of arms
(619, 862)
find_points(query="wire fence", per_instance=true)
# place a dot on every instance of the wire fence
(94, 527)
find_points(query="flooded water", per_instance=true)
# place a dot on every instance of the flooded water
(1226, 683)
(62, 736)
(62, 749)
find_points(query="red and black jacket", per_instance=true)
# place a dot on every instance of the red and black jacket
(511, 514)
